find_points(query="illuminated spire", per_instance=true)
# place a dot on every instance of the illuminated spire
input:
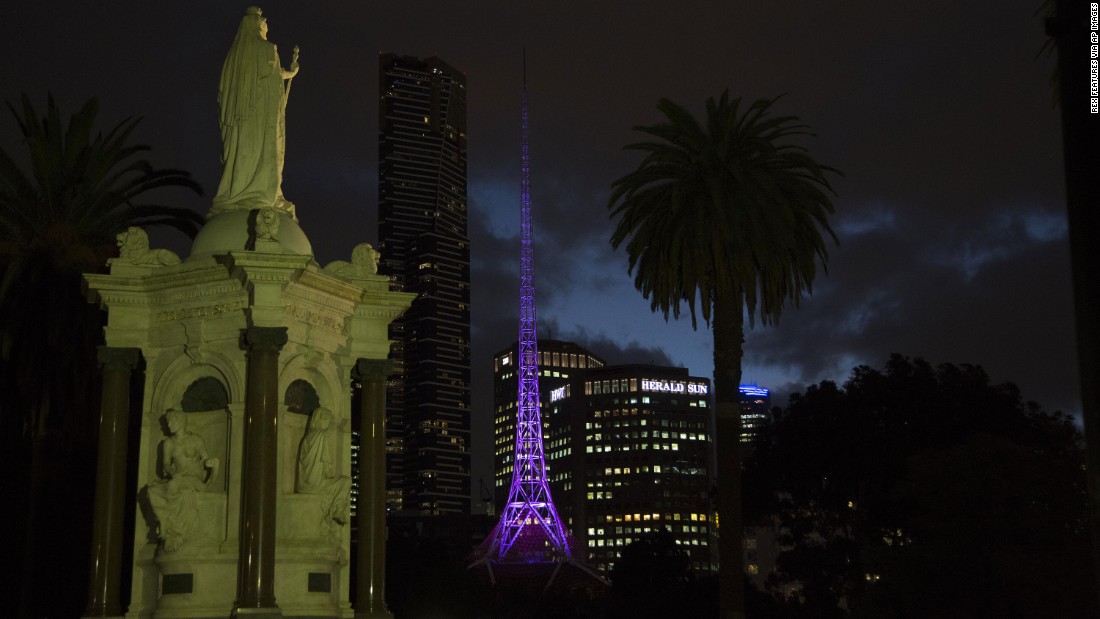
(529, 530)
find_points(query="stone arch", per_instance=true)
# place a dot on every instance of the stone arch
(301, 397)
(205, 394)
(308, 380)
(170, 386)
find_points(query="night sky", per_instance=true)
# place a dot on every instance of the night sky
(950, 215)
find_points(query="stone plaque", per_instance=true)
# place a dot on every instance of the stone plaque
(320, 582)
(178, 583)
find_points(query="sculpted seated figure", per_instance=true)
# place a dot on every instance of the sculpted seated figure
(187, 469)
(317, 468)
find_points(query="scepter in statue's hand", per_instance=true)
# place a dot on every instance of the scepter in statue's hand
(293, 71)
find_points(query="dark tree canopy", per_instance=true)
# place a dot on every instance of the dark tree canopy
(915, 479)
(62, 202)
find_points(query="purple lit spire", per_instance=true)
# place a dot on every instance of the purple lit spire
(529, 529)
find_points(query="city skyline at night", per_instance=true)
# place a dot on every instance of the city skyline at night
(940, 117)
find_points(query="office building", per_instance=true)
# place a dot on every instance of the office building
(755, 411)
(422, 215)
(628, 450)
(557, 362)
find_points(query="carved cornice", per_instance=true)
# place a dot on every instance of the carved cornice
(312, 316)
(320, 298)
(205, 311)
(194, 293)
(161, 278)
(330, 284)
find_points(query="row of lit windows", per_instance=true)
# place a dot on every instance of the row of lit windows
(625, 541)
(687, 424)
(554, 455)
(556, 359)
(621, 385)
(684, 436)
(684, 528)
(623, 412)
(691, 516)
(636, 447)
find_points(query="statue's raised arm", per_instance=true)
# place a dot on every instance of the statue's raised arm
(252, 100)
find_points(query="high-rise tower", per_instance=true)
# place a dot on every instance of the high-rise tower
(425, 250)
(755, 411)
(557, 362)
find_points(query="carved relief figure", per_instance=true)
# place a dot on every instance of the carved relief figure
(252, 97)
(267, 224)
(133, 248)
(187, 469)
(317, 468)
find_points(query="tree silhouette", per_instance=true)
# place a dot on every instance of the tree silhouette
(727, 215)
(58, 220)
(915, 479)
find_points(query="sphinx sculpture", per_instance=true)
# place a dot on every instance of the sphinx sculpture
(252, 96)
(364, 262)
(187, 468)
(133, 248)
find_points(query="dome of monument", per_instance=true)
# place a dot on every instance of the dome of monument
(235, 231)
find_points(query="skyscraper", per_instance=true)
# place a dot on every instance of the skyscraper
(755, 411)
(557, 361)
(425, 250)
(629, 453)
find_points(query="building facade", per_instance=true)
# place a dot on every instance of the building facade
(557, 362)
(629, 452)
(422, 232)
(755, 411)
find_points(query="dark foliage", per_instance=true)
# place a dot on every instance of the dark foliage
(59, 215)
(921, 491)
(651, 579)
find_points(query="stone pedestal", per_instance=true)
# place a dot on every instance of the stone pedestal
(246, 345)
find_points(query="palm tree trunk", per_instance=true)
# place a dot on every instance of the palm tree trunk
(729, 340)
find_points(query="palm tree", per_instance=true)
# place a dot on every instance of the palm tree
(727, 217)
(58, 220)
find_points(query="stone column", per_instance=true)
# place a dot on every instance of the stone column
(256, 562)
(370, 585)
(105, 570)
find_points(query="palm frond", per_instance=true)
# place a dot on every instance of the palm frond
(729, 204)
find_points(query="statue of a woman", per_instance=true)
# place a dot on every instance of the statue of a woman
(317, 470)
(173, 497)
(253, 98)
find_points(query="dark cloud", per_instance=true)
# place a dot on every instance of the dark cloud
(999, 300)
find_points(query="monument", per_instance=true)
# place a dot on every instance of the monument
(247, 352)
